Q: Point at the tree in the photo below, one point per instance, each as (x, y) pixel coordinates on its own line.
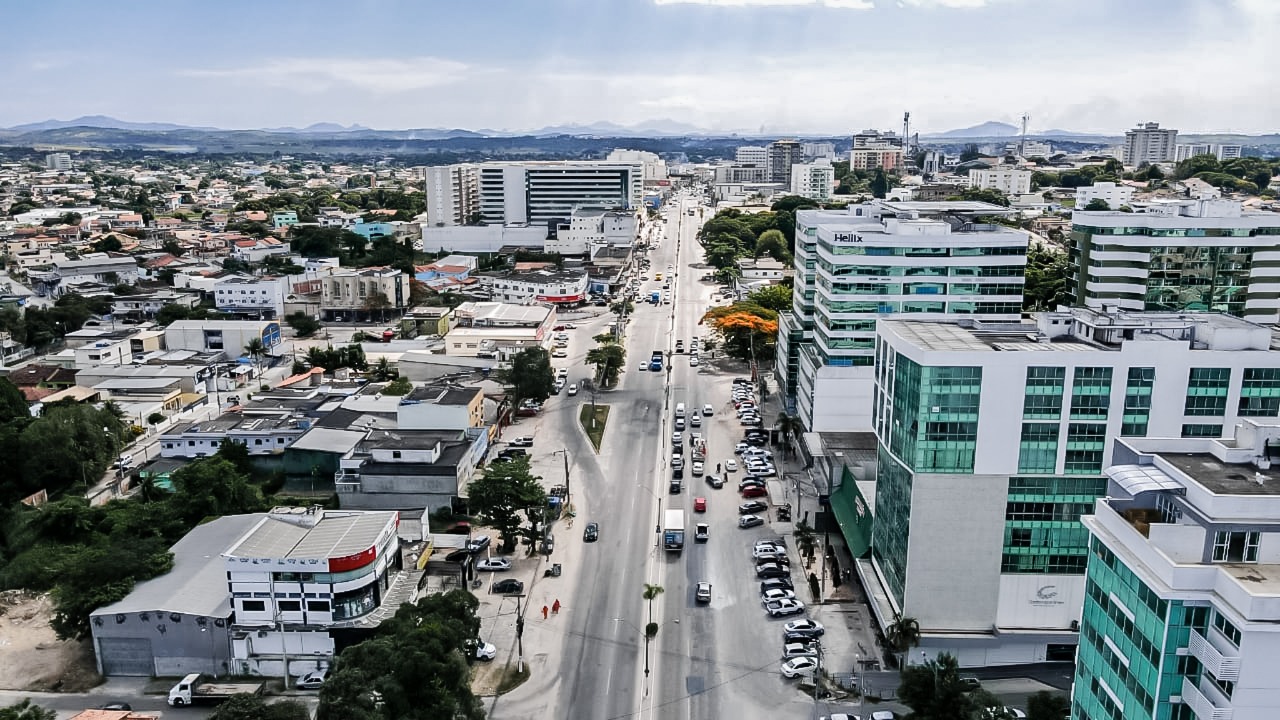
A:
(880, 184)
(236, 453)
(1193, 166)
(933, 690)
(302, 323)
(377, 304)
(382, 370)
(749, 331)
(255, 349)
(108, 243)
(609, 359)
(254, 707)
(100, 574)
(530, 376)
(774, 244)
(1047, 283)
(650, 593)
(13, 406)
(504, 491)
(791, 427)
(26, 710)
(212, 487)
(772, 297)
(398, 387)
(1097, 204)
(173, 248)
(902, 635)
(995, 197)
(970, 152)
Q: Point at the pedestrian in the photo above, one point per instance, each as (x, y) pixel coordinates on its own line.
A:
(544, 612)
(555, 607)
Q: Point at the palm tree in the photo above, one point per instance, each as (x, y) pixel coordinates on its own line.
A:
(791, 427)
(902, 635)
(651, 592)
(255, 349)
(804, 539)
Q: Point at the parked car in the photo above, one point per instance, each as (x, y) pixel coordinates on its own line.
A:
(731, 466)
(495, 564)
(707, 410)
(522, 441)
(799, 649)
(510, 586)
(478, 543)
(749, 508)
(797, 666)
(677, 438)
(703, 593)
(679, 424)
(778, 583)
(781, 608)
(750, 521)
(812, 628)
(311, 681)
(772, 570)
(591, 532)
(753, 491)
(776, 594)
(483, 650)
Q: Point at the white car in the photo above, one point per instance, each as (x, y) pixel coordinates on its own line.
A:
(562, 372)
(779, 608)
(799, 649)
(573, 389)
(312, 680)
(806, 626)
(751, 452)
(741, 448)
(523, 441)
(697, 469)
(496, 564)
(677, 438)
(562, 336)
(770, 595)
(767, 550)
(707, 410)
(693, 361)
(731, 466)
(797, 666)
(485, 651)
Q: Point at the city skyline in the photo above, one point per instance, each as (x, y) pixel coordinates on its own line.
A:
(717, 65)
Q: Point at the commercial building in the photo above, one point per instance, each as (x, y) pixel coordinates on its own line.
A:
(1201, 254)
(92, 269)
(409, 469)
(873, 149)
(1008, 180)
(815, 180)
(498, 330)
(752, 155)
(992, 439)
(557, 287)
(1115, 196)
(259, 297)
(783, 155)
(736, 174)
(1180, 614)
(228, 336)
(818, 151)
(371, 293)
(57, 161)
(654, 167)
(926, 259)
(1149, 144)
(452, 194)
(586, 230)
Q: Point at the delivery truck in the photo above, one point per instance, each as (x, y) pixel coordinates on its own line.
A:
(195, 688)
(673, 531)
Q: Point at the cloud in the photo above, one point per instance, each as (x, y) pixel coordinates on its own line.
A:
(838, 4)
(314, 75)
(957, 4)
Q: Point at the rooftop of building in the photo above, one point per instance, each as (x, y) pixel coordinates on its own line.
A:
(498, 313)
(219, 324)
(1083, 330)
(1225, 478)
(408, 439)
(311, 534)
(441, 395)
(545, 277)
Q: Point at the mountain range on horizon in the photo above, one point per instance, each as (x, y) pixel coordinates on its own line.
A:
(663, 127)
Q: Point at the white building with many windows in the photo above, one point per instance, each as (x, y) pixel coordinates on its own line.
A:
(1148, 143)
(260, 297)
(925, 259)
(1008, 180)
(815, 180)
(452, 194)
(1115, 196)
(532, 192)
(992, 442)
(1181, 617)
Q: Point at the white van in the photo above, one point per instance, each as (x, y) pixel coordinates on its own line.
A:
(679, 410)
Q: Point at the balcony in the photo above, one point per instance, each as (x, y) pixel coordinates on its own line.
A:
(1202, 705)
(1218, 657)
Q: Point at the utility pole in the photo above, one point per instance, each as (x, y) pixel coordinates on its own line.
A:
(565, 453)
(519, 636)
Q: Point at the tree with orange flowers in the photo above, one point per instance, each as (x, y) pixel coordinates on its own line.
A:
(748, 330)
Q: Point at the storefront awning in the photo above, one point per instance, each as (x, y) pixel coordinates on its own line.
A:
(853, 514)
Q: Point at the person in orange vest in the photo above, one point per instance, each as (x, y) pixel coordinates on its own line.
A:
(544, 612)
(555, 607)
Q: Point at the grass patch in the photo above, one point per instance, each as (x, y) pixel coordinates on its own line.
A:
(594, 430)
(512, 679)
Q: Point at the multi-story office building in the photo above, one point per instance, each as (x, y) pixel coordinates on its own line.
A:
(737, 173)
(452, 194)
(57, 161)
(1115, 196)
(879, 157)
(1008, 180)
(518, 193)
(818, 151)
(929, 260)
(1204, 254)
(1149, 144)
(1181, 618)
(992, 441)
(815, 180)
(752, 155)
(783, 154)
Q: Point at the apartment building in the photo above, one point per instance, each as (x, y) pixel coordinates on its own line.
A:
(258, 297)
(1115, 196)
(59, 162)
(558, 287)
(1221, 152)
(818, 151)
(815, 180)
(1148, 143)
(876, 150)
(926, 259)
(1008, 180)
(752, 155)
(736, 173)
(373, 292)
(782, 156)
(533, 192)
(1196, 255)
(586, 230)
(1180, 614)
(992, 440)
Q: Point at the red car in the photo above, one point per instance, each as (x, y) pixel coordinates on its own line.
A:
(754, 491)
(699, 504)
(557, 328)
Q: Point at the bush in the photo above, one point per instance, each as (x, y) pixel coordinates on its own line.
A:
(155, 418)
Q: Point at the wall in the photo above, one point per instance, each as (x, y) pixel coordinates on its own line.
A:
(481, 238)
(179, 643)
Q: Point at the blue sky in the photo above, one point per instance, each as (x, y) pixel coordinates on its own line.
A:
(811, 66)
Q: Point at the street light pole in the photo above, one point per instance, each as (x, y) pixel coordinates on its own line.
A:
(519, 635)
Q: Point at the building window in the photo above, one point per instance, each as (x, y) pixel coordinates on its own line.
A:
(1260, 393)
(1227, 628)
(1090, 393)
(1235, 547)
(289, 605)
(395, 454)
(318, 606)
(253, 605)
(1207, 391)
(1195, 430)
(1137, 401)
(1038, 452)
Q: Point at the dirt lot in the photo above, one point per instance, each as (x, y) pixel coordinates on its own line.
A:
(34, 658)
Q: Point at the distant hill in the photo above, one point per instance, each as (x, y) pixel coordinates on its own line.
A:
(320, 127)
(987, 129)
(102, 121)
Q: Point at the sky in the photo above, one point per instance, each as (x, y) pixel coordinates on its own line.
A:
(770, 66)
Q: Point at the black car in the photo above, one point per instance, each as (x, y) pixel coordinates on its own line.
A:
(675, 487)
(510, 586)
(781, 583)
(548, 545)
(116, 706)
(780, 558)
(756, 441)
(591, 532)
(752, 507)
(772, 570)
(677, 472)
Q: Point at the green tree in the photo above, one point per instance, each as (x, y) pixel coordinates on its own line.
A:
(255, 707)
(609, 359)
(212, 487)
(26, 710)
(1047, 705)
(995, 197)
(90, 434)
(530, 376)
(1195, 165)
(772, 297)
(398, 387)
(970, 152)
(13, 405)
(880, 184)
(933, 690)
(651, 592)
(236, 453)
(102, 574)
(1097, 204)
(107, 243)
(1047, 284)
(382, 370)
(772, 243)
(506, 490)
(790, 427)
(902, 635)
(173, 247)
(303, 324)
(255, 349)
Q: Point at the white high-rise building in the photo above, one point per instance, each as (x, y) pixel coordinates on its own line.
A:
(818, 151)
(1180, 614)
(655, 168)
(516, 193)
(752, 155)
(855, 266)
(57, 161)
(1112, 194)
(992, 441)
(1221, 152)
(1010, 181)
(815, 180)
(1149, 144)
